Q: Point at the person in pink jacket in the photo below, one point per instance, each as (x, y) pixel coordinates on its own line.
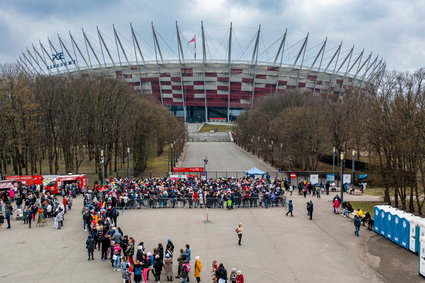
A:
(336, 206)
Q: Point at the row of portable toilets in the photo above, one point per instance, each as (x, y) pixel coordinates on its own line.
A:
(404, 229)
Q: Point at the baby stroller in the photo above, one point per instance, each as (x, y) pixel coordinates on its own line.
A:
(19, 214)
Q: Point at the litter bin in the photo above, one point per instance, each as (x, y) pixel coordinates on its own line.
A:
(422, 257)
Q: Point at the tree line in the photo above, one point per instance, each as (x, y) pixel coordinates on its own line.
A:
(70, 119)
(383, 125)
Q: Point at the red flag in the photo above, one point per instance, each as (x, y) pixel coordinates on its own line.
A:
(192, 40)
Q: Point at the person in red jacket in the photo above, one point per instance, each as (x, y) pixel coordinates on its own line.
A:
(239, 277)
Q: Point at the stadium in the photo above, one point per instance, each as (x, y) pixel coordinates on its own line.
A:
(197, 76)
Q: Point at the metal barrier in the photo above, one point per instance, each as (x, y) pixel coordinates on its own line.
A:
(139, 203)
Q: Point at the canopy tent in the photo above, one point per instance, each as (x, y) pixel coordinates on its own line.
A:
(254, 171)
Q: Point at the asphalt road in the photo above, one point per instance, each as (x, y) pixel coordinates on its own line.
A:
(222, 157)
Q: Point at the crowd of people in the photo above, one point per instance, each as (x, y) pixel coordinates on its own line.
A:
(32, 203)
(136, 263)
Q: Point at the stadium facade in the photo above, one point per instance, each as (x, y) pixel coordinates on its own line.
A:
(206, 88)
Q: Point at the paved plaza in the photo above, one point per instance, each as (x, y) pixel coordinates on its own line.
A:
(275, 248)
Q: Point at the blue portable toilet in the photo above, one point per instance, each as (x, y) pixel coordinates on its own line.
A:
(413, 227)
(389, 223)
(397, 234)
(420, 232)
(377, 222)
(386, 221)
(381, 218)
(403, 229)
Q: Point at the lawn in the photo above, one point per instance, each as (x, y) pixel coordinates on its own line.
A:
(217, 128)
(366, 206)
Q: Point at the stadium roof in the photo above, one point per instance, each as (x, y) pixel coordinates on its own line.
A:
(98, 49)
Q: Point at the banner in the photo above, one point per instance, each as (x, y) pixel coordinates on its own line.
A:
(314, 179)
(346, 179)
(330, 178)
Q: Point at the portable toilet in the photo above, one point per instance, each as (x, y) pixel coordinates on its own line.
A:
(420, 232)
(377, 222)
(403, 229)
(382, 218)
(387, 217)
(422, 256)
(397, 234)
(413, 232)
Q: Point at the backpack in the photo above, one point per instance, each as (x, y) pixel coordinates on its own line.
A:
(186, 267)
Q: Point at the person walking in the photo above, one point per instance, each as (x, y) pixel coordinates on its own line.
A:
(90, 243)
(239, 277)
(157, 265)
(239, 231)
(8, 214)
(105, 242)
(185, 269)
(310, 209)
(198, 269)
(290, 208)
(357, 224)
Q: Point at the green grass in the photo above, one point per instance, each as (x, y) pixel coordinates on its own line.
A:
(217, 128)
(159, 164)
(366, 206)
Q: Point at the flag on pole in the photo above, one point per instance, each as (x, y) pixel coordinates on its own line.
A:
(192, 40)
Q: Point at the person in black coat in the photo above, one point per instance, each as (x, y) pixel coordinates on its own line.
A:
(310, 209)
(106, 243)
(90, 244)
(221, 272)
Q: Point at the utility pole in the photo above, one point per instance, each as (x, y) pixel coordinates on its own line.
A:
(102, 167)
(128, 162)
(342, 174)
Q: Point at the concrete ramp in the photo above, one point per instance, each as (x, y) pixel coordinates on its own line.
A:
(209, 137)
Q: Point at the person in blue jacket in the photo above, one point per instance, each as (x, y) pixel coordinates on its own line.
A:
(290, 208)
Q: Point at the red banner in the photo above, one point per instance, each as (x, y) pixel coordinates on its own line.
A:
(188, 169)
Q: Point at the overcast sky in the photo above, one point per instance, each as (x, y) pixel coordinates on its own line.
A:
(394, 29)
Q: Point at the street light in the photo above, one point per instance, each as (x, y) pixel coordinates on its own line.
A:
(102, 167)
(272, 152)
(128, 162)
(205, 166)
(281, 156)
(342, 174)
(333, 160)
(353, 159)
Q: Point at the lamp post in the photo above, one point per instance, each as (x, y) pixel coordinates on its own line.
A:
(342, 174)
(272, 152)
(353, 160)
(102, 167)
(333, 160)
(128, 162)
(205, 166)
(281, 156)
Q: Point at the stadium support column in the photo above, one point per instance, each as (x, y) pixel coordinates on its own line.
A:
(322, 52)
(229, 61)
(181, 61)
(254, 64)
(204, 55)
(157, 49)
(342, 64)
(279, 53)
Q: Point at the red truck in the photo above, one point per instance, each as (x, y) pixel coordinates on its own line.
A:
(27, 179)
(55, 184)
